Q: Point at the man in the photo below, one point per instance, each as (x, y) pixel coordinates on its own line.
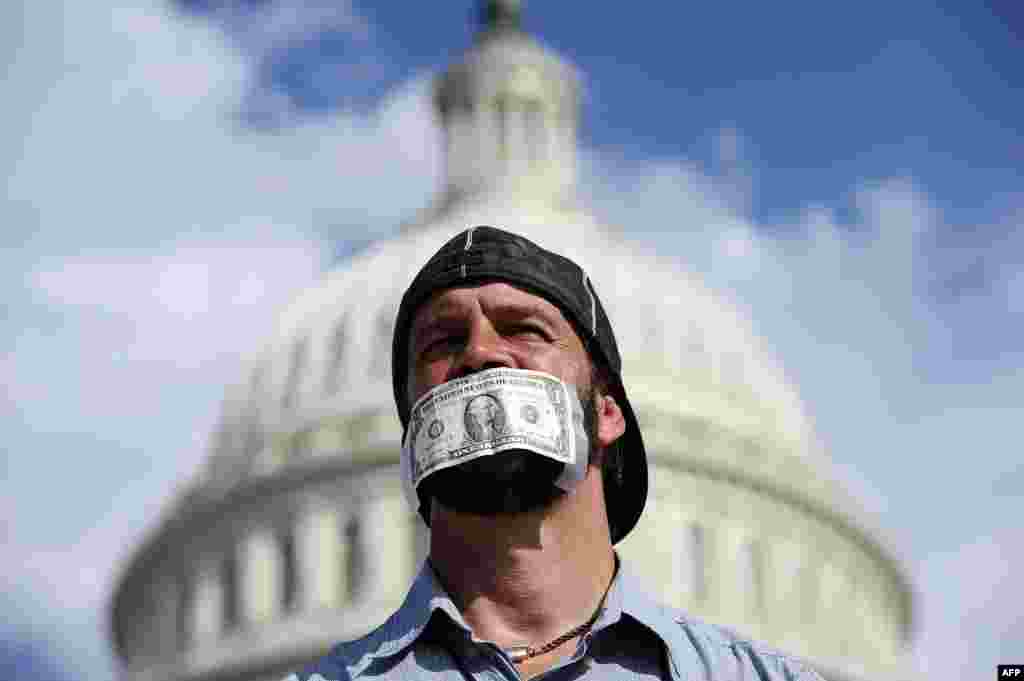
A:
(522, 579)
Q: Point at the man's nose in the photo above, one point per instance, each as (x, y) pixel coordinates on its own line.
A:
(484, 349)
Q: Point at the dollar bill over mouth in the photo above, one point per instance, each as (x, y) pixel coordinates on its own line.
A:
(490, 412)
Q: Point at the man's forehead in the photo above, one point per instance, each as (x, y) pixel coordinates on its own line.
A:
(492, 296)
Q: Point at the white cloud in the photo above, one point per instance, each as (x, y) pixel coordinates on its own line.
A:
(848, 307)
(150, 240)
(139, 141)
(269, 26)
(225, 288)
(138, 328)
(986, 629)
(278, 36)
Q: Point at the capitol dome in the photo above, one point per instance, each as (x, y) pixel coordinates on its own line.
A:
(688, 352)
(296, 534)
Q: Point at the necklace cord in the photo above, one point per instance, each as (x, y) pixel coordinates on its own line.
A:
(522, 653)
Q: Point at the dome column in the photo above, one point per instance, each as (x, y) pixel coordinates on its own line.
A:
(320, 555)
(263, 576)
(388, 520)
(658, 561)
(208, 604)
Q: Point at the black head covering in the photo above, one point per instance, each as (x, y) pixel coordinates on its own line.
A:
(481, 254)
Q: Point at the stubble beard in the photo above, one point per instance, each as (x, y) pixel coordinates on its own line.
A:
(512, 481)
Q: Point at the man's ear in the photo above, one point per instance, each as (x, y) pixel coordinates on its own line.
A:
(611, 423)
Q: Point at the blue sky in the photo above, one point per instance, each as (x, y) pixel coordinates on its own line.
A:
(848, 175)
(823, 91)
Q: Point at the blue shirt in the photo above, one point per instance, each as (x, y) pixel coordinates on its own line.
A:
(633, 638)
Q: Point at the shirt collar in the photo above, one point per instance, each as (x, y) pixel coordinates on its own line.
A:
(427, 596)
(627, 597)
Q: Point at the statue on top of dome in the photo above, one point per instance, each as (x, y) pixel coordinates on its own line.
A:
(501, 15)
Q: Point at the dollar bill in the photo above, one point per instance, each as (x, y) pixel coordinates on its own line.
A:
(487, 413)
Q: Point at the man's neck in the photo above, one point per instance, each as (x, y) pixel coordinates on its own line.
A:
(526, 578)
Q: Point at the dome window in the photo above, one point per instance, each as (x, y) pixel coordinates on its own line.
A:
(336, 358)
(296, 369)
(229, 586)
(536, 135)
(694, 563)
(186, 602)
(354, 557)
(750, 565)
(810, 592)
(380, 366)
(290, 581)
(501, 109)
(251, 430)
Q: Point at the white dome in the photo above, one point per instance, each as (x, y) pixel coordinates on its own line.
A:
(301, 496)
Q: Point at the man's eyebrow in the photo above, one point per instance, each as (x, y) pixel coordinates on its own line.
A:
(429, 324)
(425, 325)
(452, 313)
(527, 309)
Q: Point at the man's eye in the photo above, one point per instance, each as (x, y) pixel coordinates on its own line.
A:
(527, 331)
(441, 343)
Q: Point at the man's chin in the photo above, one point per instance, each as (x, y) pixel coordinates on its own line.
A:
(513, 481)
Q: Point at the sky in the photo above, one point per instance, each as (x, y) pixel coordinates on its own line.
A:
(847, 174)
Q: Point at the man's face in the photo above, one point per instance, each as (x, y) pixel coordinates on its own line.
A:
(461, 331)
